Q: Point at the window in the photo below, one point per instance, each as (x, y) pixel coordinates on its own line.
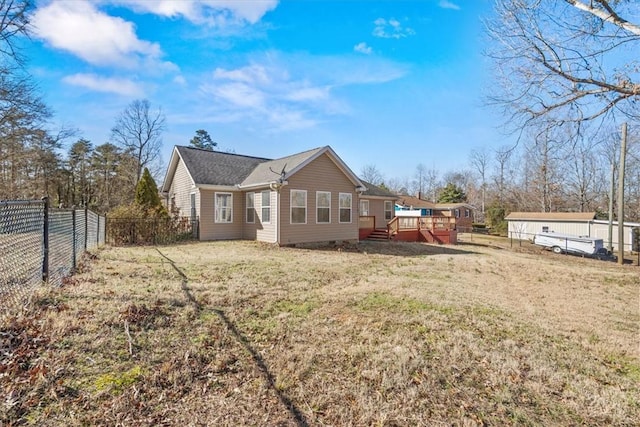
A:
(364, 208)
(457, 213)
(223, 207)
(298, 206)
(388, 210)
(251, 211)
(428, 212)
(545, 229)
(344, 203)
(192, 198)
(466, 213)
(323, 207)
(266, 207)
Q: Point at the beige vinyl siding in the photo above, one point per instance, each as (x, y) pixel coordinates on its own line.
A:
(209, 229)
(249, 229)
(376, 209)
(264, 232)
(319, 175)
(181, 189)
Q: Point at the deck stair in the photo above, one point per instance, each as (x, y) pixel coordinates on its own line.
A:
(379, 234)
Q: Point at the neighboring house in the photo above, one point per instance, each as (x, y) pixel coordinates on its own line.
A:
(377, 209)
(458, 215)
(524, 225)
(306, 197)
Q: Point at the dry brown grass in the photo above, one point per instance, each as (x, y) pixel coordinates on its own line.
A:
(241, 333)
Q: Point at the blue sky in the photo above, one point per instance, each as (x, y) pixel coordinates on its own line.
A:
(385, 83)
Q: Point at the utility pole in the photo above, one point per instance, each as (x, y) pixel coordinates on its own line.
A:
(612, 194)
(623, 154)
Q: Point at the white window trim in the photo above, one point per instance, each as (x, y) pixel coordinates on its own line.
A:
(350, 208)
(467, 213)
(323, 207)
(291, 207)
(215, 206)
(252, 207)
(368, 207)
(388, 210)
(265, 207)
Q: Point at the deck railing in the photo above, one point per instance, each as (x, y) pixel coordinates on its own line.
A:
(437, 223)
(367, 222)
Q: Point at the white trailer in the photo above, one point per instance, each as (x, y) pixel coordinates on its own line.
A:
(561, 243)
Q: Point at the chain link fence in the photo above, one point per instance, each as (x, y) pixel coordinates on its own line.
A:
(40, 245)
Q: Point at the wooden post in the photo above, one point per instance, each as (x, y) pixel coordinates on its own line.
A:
(612, 194)
(623, 155)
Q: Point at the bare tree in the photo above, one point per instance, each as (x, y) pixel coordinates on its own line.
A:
(138, 131)
(370, 173)
(14, 22)
(566, 62)
(583, 183)
(502, 156)
(480, 160)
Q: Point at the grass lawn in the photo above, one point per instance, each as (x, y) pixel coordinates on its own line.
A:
(382, 334)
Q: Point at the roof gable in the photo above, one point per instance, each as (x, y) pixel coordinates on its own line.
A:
(207, 167)
(211, 167)
(283, 168)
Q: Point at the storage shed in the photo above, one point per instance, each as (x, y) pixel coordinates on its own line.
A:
(524, 225)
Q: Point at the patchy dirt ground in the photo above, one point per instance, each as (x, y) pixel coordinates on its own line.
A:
(393, 334)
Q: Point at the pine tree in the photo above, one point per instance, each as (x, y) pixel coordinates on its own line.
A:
(451, 193)
(203, 140)
(147, 195)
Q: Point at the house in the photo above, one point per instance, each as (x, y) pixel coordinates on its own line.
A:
(524, 225)
(421, 220)
(306, 197)
(377, 209)
(461, 213)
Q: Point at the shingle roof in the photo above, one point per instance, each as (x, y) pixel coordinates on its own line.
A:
(269, 171)
(216, 168)
(374, 190)
(561, 216)
(453, 206)
(415, 202)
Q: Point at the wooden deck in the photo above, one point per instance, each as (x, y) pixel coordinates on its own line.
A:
(440, 229)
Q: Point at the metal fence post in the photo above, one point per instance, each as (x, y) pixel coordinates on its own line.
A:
(73, 234)
(86, 227)
(45, 241)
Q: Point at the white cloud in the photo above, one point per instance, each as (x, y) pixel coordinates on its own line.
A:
(180, 80)
(215, 12)
(391, 29)
(239, 94)
(264, 91)
(363, 48)
(97, 83)
(99, 39)
(251, 74)
(445, 4)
